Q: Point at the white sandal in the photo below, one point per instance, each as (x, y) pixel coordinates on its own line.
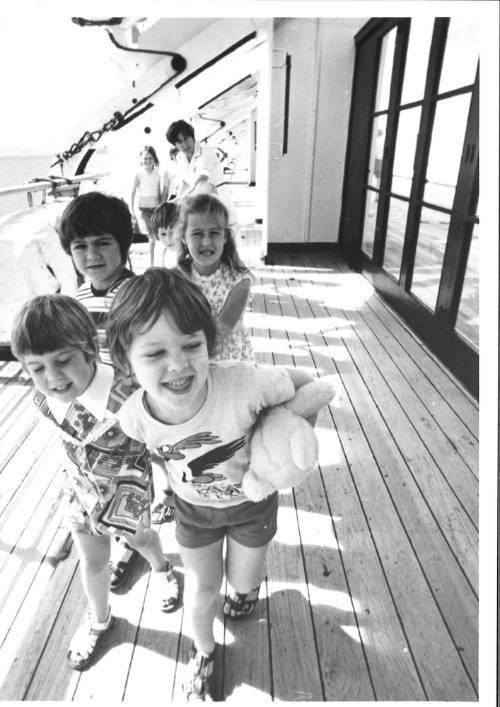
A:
(85, 640)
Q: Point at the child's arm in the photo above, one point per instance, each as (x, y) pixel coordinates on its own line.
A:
(234, 306)
(166, 188)
(135, 186)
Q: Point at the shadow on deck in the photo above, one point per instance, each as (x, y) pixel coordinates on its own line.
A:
(372, 582)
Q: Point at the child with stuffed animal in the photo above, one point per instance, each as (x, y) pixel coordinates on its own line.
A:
(107, 477)
(200, 418)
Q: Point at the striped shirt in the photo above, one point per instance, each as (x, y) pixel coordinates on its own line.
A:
(149, 189)
(98, 303)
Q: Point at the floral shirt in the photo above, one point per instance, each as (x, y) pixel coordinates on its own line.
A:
(237, 344)
(107, 479)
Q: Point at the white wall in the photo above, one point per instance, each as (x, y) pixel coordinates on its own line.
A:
(305, 185)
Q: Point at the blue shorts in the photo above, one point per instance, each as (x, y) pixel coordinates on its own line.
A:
(250, 524)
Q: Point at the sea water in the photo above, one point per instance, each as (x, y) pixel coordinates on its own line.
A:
(17, 169)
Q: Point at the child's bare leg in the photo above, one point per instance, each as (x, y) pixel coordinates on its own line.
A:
(147, 542)
(94, 552)
(166, 586)
(245, 570)
(203, 579)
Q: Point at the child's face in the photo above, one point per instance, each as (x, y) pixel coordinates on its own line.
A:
(63, 374)
(172, 367)
(205, 239)
(147, 162)
(98, 259)
(167, 237)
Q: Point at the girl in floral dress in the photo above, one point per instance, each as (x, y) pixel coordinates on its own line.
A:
(211, 260)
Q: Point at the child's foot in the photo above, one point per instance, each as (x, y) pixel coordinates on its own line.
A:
(162, 514)
(167, 588)
(198, 685)
(84, 642)
(239, 606)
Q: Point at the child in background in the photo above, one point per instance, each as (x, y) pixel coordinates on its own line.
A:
(107, 481)
(95, 229)
(199, 417)
(147, 184)
(163, 223)
(210, 258)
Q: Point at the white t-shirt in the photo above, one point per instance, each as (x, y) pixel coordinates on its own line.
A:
(207, 456)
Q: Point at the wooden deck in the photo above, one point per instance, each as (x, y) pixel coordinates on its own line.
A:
(372, 583)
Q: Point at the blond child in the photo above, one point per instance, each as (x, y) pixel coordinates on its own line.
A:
(210, 258)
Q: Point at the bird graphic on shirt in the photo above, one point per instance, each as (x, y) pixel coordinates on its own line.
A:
(213, 458)
(172, 451)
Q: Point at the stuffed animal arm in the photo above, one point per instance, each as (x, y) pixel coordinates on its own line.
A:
(283, 446)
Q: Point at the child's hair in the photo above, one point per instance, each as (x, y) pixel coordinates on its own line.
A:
(149, 150)
(96, 214)
(164, 216)
(209, 205)
(143, 299)
(47, 323)
(178, 128)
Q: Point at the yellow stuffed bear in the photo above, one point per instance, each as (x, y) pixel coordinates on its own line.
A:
(284, 447)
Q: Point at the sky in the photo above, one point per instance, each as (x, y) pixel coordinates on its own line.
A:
(58, 73)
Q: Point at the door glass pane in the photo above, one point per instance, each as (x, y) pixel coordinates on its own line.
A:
(461, 54)
(369, 222)
(385, 70)
(468, 312)
(396, 225)
(432, 235)
(446, 149)
(417, 57)
(377, 150)
(404, 156)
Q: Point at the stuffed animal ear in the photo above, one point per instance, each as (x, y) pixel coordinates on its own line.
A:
(304, 449)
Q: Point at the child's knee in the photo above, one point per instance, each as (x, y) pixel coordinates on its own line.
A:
(142, 539)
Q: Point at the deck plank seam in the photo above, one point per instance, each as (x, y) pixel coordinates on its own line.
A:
(424, 374)
(373, 540)
(418, 341)
(426, 579)
(410, 421)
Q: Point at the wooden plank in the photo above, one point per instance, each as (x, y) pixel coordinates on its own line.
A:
(392, 672)
(154, 661)
(409, 587)
(20, 670)
(295, 665)
(459, 400)
(439, 410)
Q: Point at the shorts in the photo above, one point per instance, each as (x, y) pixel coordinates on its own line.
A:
(146, 214)
(250, 524)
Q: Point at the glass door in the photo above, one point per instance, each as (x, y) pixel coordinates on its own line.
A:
(412, 167)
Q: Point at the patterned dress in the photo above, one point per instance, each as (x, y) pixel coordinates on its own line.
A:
(107, 480)
(237, 344)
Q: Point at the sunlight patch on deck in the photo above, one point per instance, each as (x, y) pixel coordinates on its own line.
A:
(349, 296)
(315, 528)
(307, 325)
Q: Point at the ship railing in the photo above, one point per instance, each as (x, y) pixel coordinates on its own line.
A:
(51, 186)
